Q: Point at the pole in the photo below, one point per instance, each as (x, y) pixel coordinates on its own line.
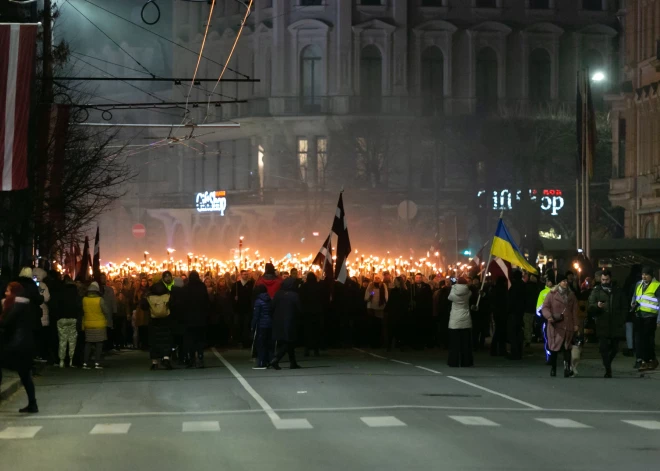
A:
(456, 235)
(587, 159)
(483, 273)
(582, 160)
(578, 235)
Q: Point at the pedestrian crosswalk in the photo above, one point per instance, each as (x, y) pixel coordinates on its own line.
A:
(15, 432)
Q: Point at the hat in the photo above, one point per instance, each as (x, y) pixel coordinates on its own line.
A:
(462, 281)
(93, 287)
(561, 278)
(647, 270)
(26, 272)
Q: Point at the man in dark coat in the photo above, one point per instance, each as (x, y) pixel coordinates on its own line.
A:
(516, 308)
(198, 307)
(422, 312)
(241, 293)
(160, 329)
(315, 299)
(287, 312)
(609, 305)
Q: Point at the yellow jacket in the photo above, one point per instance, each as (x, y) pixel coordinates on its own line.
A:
(94, 310)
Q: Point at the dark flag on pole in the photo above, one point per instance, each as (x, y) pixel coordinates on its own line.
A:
(340, 227)
(324, 259)
(83, 273)
(96, 265)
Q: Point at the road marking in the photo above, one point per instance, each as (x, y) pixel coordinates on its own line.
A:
(647, 424)
(110, 429)
(527, 404)
(11, 433)
(369, 353)
(200, 427)
(470, 420)
(302, 392)
(292, 424)
(377, 356)
(400, 362)
(563, 423)
(428, 369)
(386, 421)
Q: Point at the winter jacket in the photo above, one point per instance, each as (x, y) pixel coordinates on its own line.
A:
(287, 311)
(262, 315)
(531, 296)
(611, 319)
(95, 312)
(272, 284)
(16, 325)
(517, 300)
(244, 294)
(422, 300)
(314, 298)
(70, 304)
(459, 317)
(157, 290)
(110, 303)
(197, 303)
(373, 300)
(40, 275)
(560, 332)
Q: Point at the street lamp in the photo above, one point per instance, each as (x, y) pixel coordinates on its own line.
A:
(598, 76)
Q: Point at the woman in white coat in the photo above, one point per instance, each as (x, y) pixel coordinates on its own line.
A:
(460, 326)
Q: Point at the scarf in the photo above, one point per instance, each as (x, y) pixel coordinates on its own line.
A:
(563, 293)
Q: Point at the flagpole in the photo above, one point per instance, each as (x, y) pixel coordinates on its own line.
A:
(583, 89)
(483, 273)
(587, 160)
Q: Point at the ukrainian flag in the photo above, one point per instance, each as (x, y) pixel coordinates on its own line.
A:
(505, 248)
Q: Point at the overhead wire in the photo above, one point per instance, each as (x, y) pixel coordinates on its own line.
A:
(201, 52)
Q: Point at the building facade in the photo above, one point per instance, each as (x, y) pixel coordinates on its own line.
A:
(635, 118)
(328, 67)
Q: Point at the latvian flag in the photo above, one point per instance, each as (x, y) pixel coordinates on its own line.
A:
(17, 51)
(499, 268)
(340, 227)
(324, 259)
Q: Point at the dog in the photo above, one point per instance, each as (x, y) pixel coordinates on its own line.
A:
(576, 353)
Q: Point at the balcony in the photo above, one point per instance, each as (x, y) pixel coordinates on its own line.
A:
(621, 190)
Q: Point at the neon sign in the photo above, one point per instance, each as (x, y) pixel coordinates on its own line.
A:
(550, 200)
(211, 201)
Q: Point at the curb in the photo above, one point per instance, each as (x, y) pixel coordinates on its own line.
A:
(14, 384)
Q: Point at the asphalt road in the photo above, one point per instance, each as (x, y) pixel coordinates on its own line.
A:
(347, 410)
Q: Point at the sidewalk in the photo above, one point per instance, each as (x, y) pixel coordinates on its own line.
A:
(10, 384)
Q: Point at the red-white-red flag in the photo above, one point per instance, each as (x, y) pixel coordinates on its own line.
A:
(17, 55)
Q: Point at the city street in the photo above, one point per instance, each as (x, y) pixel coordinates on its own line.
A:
(349, 409)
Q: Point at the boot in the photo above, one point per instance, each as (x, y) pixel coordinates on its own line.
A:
(295, 366)
(567, 370)
(275, 365)
(608, 373)
(30, 409)
(553, 371)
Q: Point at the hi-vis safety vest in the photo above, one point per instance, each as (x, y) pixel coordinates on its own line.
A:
(647, 301)
(539, 303)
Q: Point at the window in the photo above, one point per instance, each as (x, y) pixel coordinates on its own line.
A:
(371, 79)
(302, 158)
(321, 159)
(485, 3)
(593, 5)
(432, 81)
(310, 78)
(309, 3)
(487, 80)
(621, 166)
(540, 75)
(539, 4)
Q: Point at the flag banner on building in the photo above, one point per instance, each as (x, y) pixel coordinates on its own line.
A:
(83, 273)
(586, 123)
(17, 56)
(340, 228)
(505, 248)
(96, 264)
(324, 259)
(500, 268)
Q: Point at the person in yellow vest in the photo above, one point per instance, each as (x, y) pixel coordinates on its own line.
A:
(95, 313)
(646, 306)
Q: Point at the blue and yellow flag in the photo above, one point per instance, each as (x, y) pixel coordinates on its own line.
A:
(505, 248)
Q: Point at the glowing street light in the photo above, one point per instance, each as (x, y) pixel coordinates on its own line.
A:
(598, 76)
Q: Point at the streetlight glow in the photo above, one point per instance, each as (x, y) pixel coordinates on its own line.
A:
(598, 76)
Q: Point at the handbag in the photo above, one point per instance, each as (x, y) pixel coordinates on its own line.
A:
(559, 318)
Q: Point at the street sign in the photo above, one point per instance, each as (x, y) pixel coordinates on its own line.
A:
(139, 231)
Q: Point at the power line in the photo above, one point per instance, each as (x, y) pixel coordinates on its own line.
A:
(175, 80)
(164, 38)
(107, 36)
(111, 63)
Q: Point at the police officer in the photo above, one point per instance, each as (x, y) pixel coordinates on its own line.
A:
(646, 306)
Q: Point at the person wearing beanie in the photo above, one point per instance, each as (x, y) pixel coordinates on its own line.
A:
(95, 314)
(646, 306)
(560, 310)
(460, 326)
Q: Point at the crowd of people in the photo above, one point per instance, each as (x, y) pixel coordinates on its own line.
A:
(47, 318)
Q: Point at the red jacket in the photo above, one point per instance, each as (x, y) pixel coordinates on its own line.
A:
(272, 284)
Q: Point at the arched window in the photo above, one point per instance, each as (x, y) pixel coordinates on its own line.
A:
(487, 80)
(371, 78)
(433, 67)
(310, 78)
(540, 76)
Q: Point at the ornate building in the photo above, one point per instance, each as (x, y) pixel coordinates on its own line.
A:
(635, 118)
(325, 65)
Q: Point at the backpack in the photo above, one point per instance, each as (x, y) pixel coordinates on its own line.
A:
(158, 306)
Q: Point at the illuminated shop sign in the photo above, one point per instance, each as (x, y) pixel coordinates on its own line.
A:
(211, 201)
(551, 200)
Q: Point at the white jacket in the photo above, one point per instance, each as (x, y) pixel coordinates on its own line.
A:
(460, 318)
(40, 274)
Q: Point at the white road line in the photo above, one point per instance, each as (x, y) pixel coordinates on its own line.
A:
(386, 421)
(563, 423)
(377, 356)
(279, 423)
(399, 361)
(200, 426)
(476, 421)
(11, 433)
(110, 429)
(428, 369)
(647, 424)
(527, 404)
